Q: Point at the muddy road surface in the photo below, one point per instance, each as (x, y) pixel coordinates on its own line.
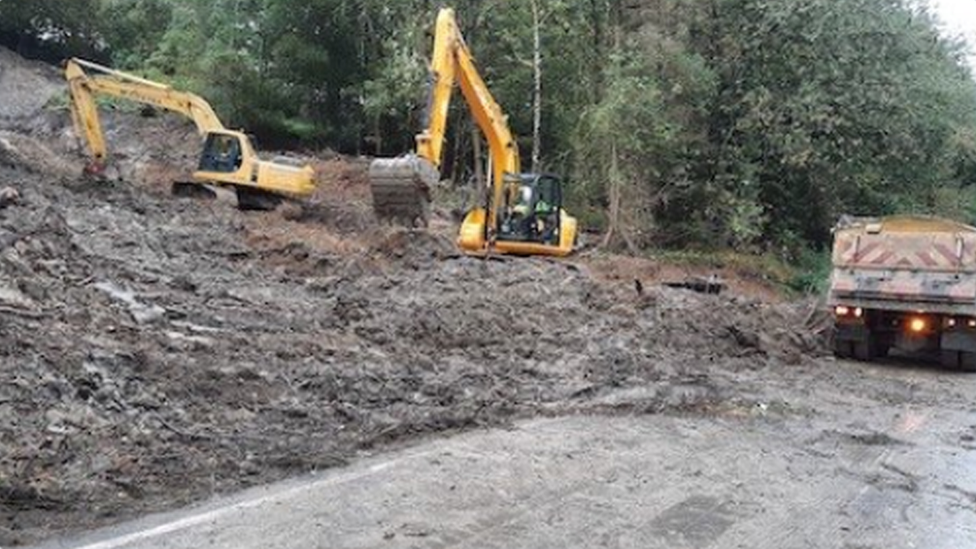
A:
(817, 463)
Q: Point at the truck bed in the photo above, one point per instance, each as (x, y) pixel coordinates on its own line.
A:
(905, 263)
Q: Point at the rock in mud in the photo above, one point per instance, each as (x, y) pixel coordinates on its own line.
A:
(8, 196)
(141, 312)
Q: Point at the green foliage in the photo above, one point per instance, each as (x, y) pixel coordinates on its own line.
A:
(50, 29)
(623, 144)
(835, 107)
(766, 269)
(811, 273)
(393, 94)
(138, 26)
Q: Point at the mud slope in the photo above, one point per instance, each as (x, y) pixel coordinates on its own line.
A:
(149, 356)
(25, 86)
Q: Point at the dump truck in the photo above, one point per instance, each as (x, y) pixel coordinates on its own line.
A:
(906, 282)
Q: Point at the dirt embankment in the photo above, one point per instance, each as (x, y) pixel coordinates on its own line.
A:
(25, 86)
(156, 350)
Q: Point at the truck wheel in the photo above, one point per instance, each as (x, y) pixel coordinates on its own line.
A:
(967, 361)
(843, 349)
(959, 360)
(864, 351)
(881, 350)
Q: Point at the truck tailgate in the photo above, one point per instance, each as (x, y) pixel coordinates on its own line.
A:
(921, 267)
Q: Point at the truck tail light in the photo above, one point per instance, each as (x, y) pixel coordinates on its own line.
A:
(952, 322)
(844, 310)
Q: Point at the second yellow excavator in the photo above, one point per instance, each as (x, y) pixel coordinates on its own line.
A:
(523, 213)
(228, 157)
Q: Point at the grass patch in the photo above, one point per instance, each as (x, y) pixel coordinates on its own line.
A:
(808, 275)
(811, 274)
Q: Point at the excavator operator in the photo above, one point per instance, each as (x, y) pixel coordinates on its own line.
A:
(531, 216)
(522, 215)
(545, 223)
(523, 204)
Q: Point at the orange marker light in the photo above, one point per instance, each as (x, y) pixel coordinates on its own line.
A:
(917, 325)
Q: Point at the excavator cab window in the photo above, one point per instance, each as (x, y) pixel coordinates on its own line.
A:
(531, 212)
(549, 201)
(221, 153)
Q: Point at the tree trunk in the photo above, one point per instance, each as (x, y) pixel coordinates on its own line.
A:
(479, 172)
(474, 194)
(457, 155)
(613, 195)
(617, 227)
(537, 87)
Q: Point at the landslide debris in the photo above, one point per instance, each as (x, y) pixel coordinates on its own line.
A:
(25, 86)
(157, 350)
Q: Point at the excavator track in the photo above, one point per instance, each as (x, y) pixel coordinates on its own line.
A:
(401, 189)
(256, 199)
(248, 198)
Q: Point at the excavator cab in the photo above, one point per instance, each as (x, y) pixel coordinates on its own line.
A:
(222, 153)
(531, 209)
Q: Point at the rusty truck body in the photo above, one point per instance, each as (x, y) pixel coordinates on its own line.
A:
(905, 282)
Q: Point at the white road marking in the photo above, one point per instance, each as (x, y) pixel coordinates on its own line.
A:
(209, 516)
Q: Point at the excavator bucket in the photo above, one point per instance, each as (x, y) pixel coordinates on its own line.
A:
(401, 189)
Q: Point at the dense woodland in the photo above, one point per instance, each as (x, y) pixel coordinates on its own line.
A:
(743, 124)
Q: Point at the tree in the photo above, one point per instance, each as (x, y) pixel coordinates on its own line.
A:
(832, 106)
(623, 139)
(50, 29)
(134, 28)
(732, 123)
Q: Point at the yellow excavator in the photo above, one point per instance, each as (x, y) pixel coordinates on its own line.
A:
(523, 213)
(228, 158)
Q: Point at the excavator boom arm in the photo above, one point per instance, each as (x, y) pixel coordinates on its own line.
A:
(114, 83)
(452, 61)
(401, 186)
